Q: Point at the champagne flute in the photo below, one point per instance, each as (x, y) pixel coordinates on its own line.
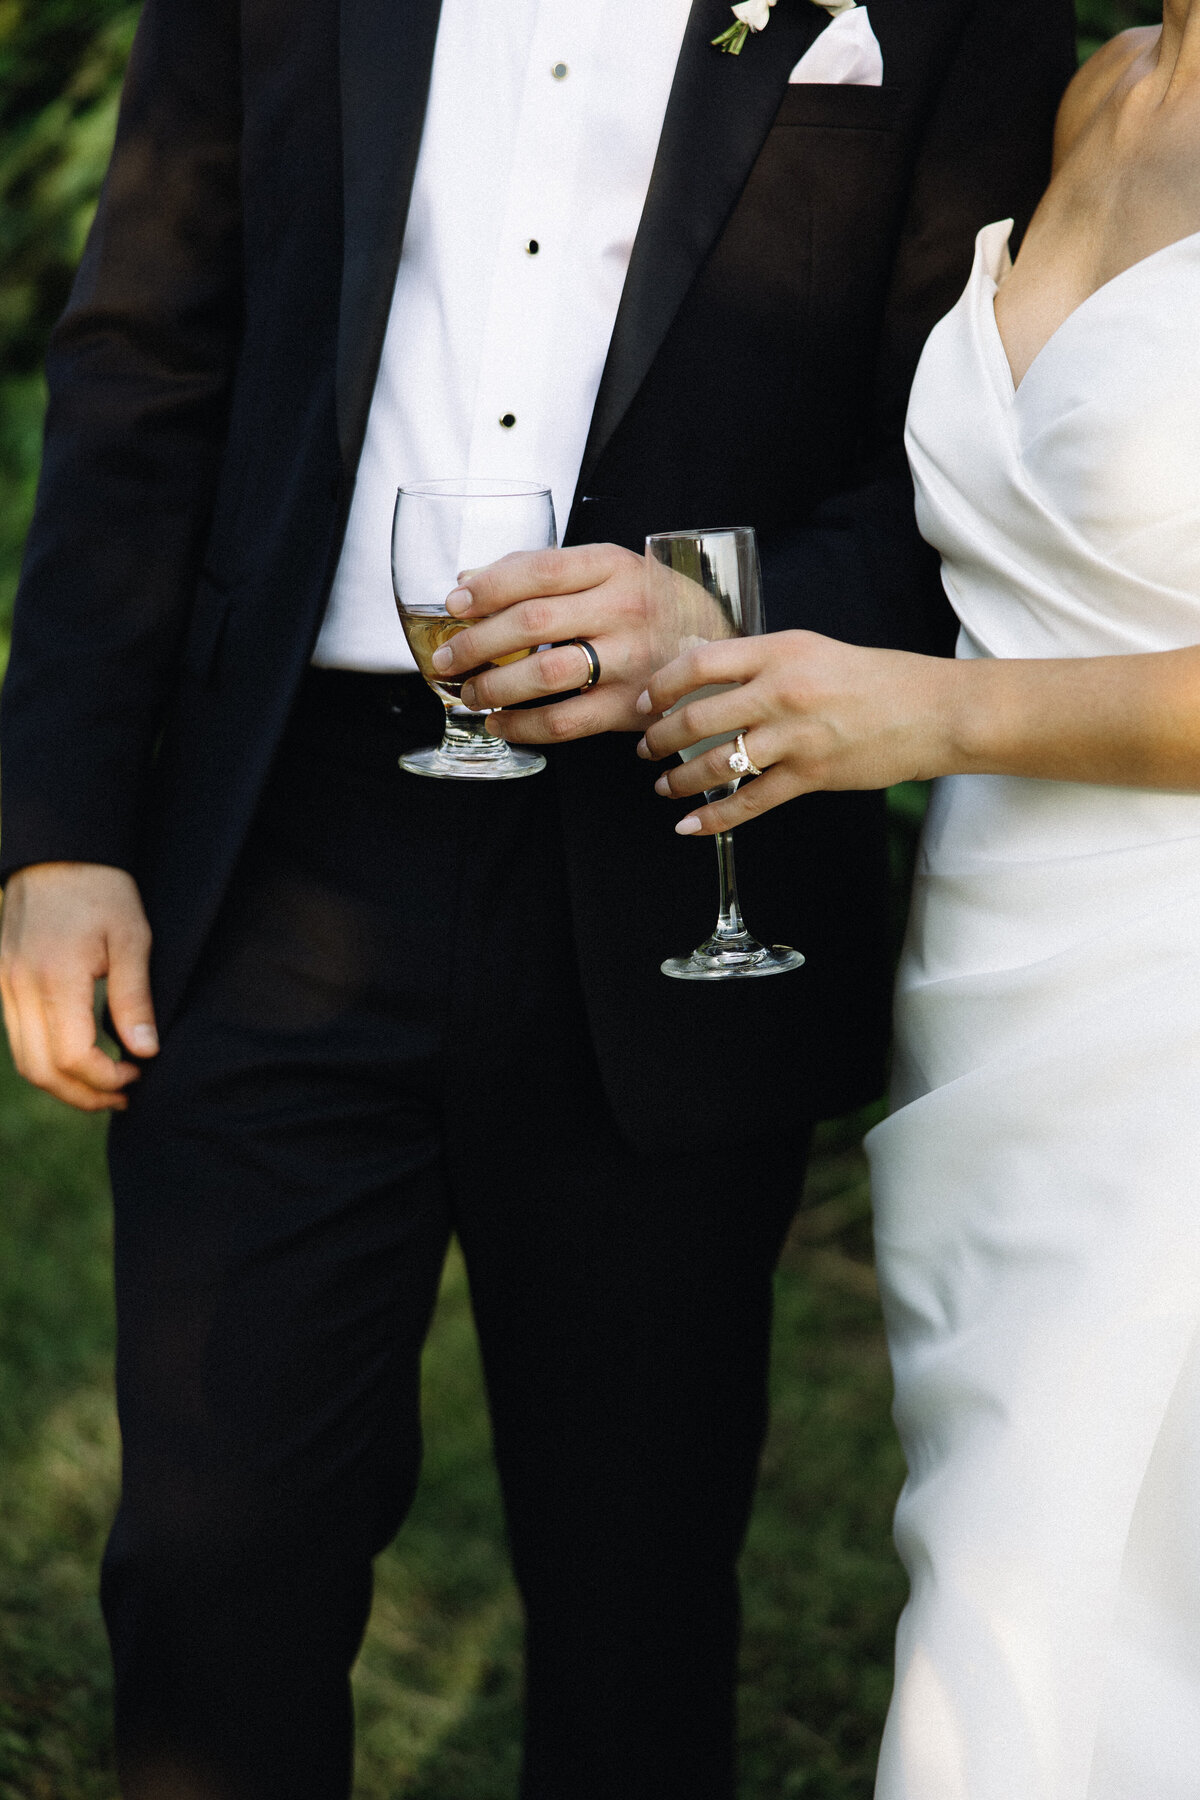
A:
(438, 529)
(714, 591)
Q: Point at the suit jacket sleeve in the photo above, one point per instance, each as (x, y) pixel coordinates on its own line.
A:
(139, 370)
(857, 569)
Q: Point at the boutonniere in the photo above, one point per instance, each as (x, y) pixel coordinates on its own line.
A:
(755, 15)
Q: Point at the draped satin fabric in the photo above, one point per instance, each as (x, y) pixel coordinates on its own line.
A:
(1037, 1187)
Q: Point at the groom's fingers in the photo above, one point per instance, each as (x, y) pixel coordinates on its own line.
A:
(522, 626)
(565, 720)
(57, 935)
(77, 1062)
(55, 1049)
(610, 612)
(560, 669)
(593, 592)
(535, 574)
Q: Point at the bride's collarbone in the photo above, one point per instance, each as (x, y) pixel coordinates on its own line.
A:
(1126, 186)
(1082, 238)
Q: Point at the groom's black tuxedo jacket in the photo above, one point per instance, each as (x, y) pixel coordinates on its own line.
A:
(210, 384)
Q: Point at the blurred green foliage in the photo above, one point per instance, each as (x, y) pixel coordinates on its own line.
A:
(60, 70)
(60, 63)
(1101, 19)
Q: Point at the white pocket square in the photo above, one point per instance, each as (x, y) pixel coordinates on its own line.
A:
(847, 54)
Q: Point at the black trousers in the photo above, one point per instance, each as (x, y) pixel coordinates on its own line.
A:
(386, 1044)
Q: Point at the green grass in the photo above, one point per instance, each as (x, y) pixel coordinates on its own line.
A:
(438, 1683)
(57, 1449)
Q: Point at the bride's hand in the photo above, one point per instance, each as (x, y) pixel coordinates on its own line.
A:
(815, 713)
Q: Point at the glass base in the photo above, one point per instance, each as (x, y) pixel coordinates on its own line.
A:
(720, 960)
(502, 764)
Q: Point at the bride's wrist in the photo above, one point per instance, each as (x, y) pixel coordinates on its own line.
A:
(973, 714)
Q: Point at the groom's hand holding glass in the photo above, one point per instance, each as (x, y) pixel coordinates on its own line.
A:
(552, 599)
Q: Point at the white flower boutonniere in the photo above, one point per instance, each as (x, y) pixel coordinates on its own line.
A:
(755, 15)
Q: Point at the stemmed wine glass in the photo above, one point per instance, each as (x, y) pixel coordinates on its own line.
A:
(714, 591)
(440, 528)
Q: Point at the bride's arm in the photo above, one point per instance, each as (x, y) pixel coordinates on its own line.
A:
(818, 714)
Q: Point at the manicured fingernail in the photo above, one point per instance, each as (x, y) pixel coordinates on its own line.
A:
(663, 786)
(441, 659)
(468, 695)
(687, 827)
(643, 750)
(144, 1040)
(643, 701)
(459, 601)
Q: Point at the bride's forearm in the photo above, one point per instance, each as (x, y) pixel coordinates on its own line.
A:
(817, 714)
(1131, 721)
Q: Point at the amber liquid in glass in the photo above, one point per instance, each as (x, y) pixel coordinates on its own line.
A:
(427, 632)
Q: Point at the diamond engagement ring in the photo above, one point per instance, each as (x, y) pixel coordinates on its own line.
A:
(740, 760)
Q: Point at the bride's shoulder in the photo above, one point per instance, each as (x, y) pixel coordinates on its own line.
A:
(1094, 83)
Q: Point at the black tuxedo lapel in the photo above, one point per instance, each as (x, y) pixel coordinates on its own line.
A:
(719, 113)
(386, 58)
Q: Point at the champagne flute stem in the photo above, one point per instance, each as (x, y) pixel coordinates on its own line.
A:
(730, 924)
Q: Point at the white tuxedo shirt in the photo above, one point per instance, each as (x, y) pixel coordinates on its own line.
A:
(544, 118)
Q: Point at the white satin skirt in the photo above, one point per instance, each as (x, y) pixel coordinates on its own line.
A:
(1037, 1196)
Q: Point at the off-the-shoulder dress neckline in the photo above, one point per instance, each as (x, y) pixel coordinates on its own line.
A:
(1084, 306)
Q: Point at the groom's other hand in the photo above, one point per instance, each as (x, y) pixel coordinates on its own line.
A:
(64, 927)
(548, 597)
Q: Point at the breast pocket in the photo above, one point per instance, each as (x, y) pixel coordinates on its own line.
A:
(840, 156)
(837, 108)
(825, 206)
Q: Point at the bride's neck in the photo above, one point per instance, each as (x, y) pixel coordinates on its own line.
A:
(1180, 47)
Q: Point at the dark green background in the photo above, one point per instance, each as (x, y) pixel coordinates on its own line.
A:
(438, 1684)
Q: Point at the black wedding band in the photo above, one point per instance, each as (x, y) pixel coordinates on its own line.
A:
(589, 650)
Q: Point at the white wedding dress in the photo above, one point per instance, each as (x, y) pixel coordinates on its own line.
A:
(1037, 1188)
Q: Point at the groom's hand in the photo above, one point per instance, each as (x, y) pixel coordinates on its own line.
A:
(547, 597)
(66, 926)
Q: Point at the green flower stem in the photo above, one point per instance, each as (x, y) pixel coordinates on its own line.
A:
(731, 41)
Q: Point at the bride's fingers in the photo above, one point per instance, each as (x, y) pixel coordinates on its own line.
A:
(710, 716)
(751, 799)
(711, 768)
(730, 659)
